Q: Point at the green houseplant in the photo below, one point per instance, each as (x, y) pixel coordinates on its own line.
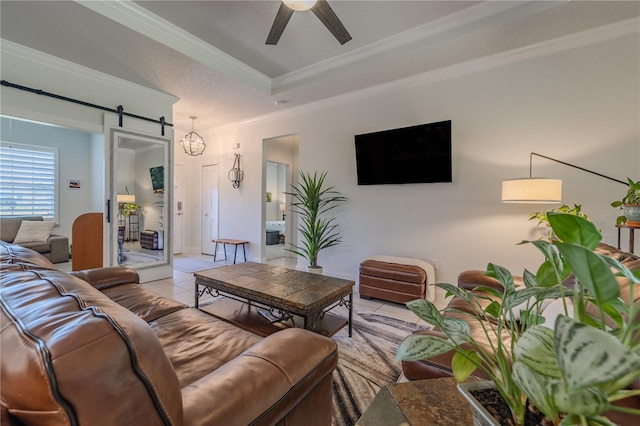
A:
(312, 200)
(571, 370)
(127, 209)
(630, 204)
(544, 220)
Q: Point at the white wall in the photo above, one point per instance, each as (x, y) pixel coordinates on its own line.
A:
(579, 106)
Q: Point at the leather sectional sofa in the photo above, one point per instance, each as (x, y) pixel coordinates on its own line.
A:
(440, 366)
(96, 348)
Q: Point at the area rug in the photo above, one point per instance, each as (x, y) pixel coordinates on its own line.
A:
(366, 363)
(132, 258)
(191, 264)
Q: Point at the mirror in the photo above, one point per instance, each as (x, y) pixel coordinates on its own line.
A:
(276, 210)
(140, 177)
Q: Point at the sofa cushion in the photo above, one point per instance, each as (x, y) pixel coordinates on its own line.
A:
(144, 303)
(198, 343)
(33, 231)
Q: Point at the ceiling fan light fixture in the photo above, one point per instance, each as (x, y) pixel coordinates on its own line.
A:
(300, 5)
(192, 143)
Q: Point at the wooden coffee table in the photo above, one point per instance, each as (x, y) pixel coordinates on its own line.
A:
(265, 298)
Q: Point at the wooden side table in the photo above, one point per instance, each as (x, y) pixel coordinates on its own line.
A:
(236, 243)
(631, 228)
(435, 402)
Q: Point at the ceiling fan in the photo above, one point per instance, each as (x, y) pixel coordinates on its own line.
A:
(319, 7)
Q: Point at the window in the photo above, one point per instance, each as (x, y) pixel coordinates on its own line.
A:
(28, 180)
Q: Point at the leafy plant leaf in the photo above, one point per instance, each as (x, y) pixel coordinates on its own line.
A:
(574, 230)
(457, 330)
(588, 356)
(416, 347)
(535, 349)
(502, 275)
(584, 402)
(455, 291)
(464, 363)
(591, 270)
(427, 311)
(537, 387)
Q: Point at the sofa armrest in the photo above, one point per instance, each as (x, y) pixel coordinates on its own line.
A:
(267, 382)
(474, 277)
(59, 248)
(111, 276)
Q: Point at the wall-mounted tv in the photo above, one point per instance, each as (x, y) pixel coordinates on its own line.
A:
(416, 154)
(157, 178)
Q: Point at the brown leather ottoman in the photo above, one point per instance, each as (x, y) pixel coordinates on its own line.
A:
(393, 282)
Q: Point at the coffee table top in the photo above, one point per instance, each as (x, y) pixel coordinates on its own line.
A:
(297, 291)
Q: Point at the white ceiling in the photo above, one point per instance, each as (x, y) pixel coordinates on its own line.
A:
(212, 54)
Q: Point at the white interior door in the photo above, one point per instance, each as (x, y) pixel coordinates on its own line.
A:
(209, 208)
(178, 208)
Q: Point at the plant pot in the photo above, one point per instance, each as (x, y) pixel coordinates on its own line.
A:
(632, 213)
(481, 417)
(495, 402)
(316, 270)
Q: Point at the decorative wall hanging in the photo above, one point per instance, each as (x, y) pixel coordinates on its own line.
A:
(236, 174)
(192, 142)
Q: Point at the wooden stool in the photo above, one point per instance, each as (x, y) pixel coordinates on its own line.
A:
(226, 241)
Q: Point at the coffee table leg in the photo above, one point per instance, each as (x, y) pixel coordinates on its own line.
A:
(215, 251)
(195, 304)
(235, 253)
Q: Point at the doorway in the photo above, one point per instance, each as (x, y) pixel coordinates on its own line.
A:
(178, 208)
(275, 207)
(209, 208)
(279, 223)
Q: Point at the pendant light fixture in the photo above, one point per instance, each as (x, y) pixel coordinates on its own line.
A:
(192, 142)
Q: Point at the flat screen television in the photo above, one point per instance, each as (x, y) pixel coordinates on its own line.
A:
(416, 154)
(157, 178)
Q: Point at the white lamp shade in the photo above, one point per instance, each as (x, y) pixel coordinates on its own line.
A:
(126, 198)
(300, 5)
(283, 207)
(532, 190)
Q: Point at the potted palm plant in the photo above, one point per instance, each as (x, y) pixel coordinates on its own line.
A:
(630, 204)
(572, 369)
(311, 201)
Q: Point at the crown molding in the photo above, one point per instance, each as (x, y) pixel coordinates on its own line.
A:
(572, 41)
(451, 24)
(17, 50)
(139, 19)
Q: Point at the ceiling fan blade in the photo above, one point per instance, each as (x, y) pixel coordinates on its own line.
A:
(282, 18)
(330, 20)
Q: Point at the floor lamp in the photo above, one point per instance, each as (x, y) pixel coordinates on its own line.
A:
(540, 190)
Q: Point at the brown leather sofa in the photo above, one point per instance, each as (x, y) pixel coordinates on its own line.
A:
(55, 248)
(96, 348)
(440, 366)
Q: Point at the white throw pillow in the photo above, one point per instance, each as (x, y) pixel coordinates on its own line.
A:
(31, 230)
